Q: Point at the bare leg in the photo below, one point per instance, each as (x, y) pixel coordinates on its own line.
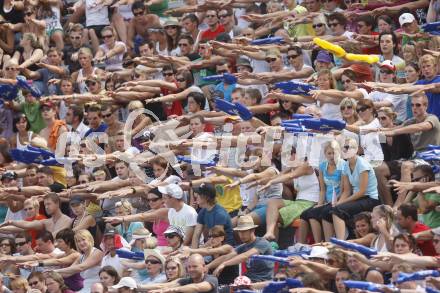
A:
(382, 175)
(272, 215)
(316, 230)
(340, 228)
(256, 218)
(57, 37)
(303, 231)
(119, 24)
(406, 170)
(75, 17)
(94, 40)
(329, 230)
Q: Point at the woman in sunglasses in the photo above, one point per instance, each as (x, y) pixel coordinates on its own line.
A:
(111, 52)
(155, 267)
(173, 30)
(358, 173)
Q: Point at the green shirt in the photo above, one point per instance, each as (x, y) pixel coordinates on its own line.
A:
(33, 115)
(159, 9)
(431, 218)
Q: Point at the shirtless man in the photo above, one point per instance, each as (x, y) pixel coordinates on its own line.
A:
(57, 221)
(140, 23)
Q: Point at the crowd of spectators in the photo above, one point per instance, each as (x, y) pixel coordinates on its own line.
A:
(152, 146)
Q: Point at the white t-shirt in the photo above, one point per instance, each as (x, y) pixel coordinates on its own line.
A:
(115, 262)
(370, 143)
(398, 102)
(307, 187)
(186, 217)
(96, 14)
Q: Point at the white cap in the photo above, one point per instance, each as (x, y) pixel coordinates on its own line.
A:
(172, 190)
(317, 252)
(406, 18)
(126, 282)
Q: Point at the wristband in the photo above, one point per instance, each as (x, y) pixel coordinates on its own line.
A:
(133, 190)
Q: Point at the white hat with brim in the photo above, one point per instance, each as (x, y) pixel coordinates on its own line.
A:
(245, 223)
(126, 282)
(172, 190)
(317, 252)
(155, 253)
(140, 233)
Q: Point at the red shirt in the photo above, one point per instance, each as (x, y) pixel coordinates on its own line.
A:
(32, 232)
(171, 108)
(372, 50)
(427, 247)
(210, 35)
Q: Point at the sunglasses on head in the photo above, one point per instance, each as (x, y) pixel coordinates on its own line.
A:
(317, 25)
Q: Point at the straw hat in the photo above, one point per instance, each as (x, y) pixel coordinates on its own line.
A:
(245, 223)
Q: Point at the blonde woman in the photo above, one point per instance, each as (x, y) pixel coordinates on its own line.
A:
(174, 269)
(330, 177)
(85, 58)
(126, 229)
(19, 285)
(30, 54)
(89, 262)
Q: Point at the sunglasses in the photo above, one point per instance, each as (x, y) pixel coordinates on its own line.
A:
(417, 105)
(362, 109)
(270, 60)
(11, 69)
(33, 283)
(5, 244)
(138, 13)
(46, 109)
(106, 116)
(183, 45)
(346, 147)
(169, 236)
(334, 24)
(167, 74)
(107, 36)
(90, 82)
(317, 25)
(75, 38)
(20, 243)
(174, 27)
(223, 15)
(28, 13)
(292, 56)
(210, 15)
(152, 261)
(386, 72)
(345, 81)
(383, 118)
(346, 107)
(282, 279)
(28, 209)
(181, 79)
(152, 199)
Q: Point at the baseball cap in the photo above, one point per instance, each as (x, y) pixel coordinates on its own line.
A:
(388, 64)
(48, 104)
(324, 56)
(172, 190)
(11, 175)
(206, 189)
(273, 53)
(126, 282)
(110, 232)
(175, 230)
(76, 200)
(406, 18)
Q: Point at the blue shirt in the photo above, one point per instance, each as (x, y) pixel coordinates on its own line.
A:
(217, 216)
(362, 165)
(101, 128)
(332, 181)
(257, 270)
(227, 92)
(127, 234)
(433, 98)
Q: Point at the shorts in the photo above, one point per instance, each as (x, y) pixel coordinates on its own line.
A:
(293, 209)
(97, 29)
(347, 211)
(261, 210)
(317, 213)
(52, 31)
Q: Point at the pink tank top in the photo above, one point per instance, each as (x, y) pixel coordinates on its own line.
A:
(158, 229)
